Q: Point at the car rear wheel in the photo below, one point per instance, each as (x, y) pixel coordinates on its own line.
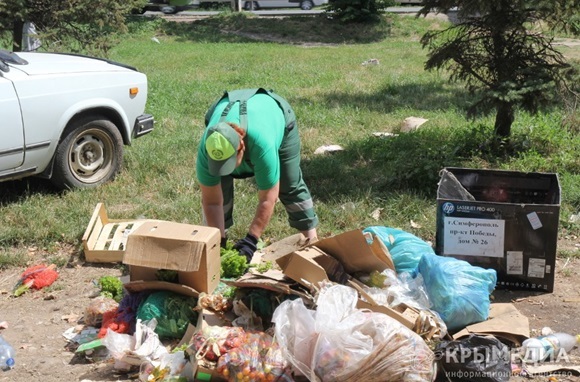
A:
(306, 5)
(89, 154)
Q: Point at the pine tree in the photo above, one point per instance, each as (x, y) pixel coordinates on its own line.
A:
(501, 50)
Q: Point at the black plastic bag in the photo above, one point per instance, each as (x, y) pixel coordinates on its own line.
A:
(475, 358)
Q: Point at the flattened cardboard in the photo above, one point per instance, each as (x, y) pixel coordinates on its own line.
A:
(284, 247)
(504, 321)
(309, 267)
(352, 251)
(191, 250)
(273, 280)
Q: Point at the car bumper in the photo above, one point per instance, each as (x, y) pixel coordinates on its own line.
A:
(143, 125)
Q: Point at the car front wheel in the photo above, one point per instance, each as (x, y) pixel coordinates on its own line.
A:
(89, 154)
(306, 5)
(251, 6)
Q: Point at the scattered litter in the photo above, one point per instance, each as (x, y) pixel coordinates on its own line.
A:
(348, 207)
(371, 61)
(338, 342)
(70, 318)
(415, 225)
(96, 308)
(81, 335)
(385, 134)
(574, 218)
(496, 368)
(129, 350)
(412, 123)
(35, 277)
(328, 149)
(3, 325)
(155, 39)
(376, 214)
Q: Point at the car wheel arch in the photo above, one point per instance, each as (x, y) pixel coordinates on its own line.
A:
(100, 113)
(94, 135)
(96, 114)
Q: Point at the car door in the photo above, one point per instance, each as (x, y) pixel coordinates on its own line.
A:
(11, 129)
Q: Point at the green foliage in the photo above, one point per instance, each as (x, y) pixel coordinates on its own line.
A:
(357, 10)
(70, 25)
(233, 265)
(111, 287)
(264, 266)
(502, 55)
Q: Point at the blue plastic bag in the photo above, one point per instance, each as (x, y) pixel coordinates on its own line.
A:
(405, 248)
(458, 291)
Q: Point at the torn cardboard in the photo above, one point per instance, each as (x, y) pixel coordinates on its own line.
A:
(324, 260)
(273, 280)
(193, 251)
(504, 321)
(140, 286)
(352, 250)
(408, 316)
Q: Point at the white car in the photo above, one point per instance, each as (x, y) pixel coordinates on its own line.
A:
(67, 117)
(305, 5)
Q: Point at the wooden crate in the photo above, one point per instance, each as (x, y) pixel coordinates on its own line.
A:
(105, 240)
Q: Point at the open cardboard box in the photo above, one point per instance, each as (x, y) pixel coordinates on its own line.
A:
(193, 251)
(337, 257)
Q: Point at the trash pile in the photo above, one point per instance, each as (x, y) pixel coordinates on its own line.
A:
(373, 304)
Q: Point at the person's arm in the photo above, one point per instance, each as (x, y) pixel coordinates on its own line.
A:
(266, 202)
(212, 204)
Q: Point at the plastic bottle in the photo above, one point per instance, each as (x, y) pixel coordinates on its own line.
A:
(540, 348)
(6, 355)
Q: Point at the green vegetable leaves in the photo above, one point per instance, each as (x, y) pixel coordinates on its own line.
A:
(233, 265)
(111, 287)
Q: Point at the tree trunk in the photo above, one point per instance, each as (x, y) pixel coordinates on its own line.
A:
(17, 36)
(504, 119)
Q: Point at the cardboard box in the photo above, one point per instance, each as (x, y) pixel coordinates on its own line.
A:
(193, 251)
(105, 240)
(504, 220)
(337, 257)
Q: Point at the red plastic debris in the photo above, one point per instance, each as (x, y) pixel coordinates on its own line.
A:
(39, 276)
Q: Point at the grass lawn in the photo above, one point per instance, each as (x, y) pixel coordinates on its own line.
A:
(321, 68)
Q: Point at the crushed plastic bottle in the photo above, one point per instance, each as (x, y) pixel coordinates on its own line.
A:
(6, 355)
(541, 348)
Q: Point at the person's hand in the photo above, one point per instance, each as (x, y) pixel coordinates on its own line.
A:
(247, 246)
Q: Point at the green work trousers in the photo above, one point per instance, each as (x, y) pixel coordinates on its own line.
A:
(294, 193)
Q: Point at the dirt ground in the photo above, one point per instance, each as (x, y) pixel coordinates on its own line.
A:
(37, 320)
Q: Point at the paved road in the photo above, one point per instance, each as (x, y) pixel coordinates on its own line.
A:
(278, 12)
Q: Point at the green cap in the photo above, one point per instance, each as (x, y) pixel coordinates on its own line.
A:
(221, 143)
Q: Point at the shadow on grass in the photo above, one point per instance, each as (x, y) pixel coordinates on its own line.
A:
(410, 162)
(428, 96)
(240, 28)
(13, 191)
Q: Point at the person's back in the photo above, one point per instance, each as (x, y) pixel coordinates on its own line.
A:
(253, 132)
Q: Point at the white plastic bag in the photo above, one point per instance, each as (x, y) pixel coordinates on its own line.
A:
(338, 342)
